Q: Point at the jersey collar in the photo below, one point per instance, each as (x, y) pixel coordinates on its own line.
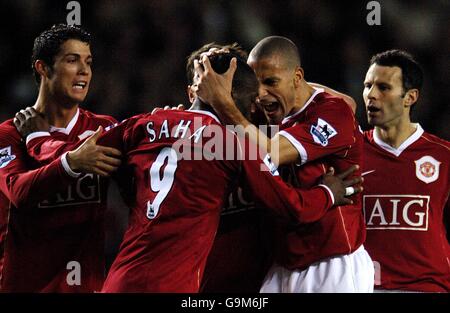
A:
(207, 113)
(289, 117)
(397, 151)
(69, 127)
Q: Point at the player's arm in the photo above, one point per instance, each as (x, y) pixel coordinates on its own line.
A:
(215, 90)
(298, 205)
(328, 131)
(349, 100)
(23, 187)
(82, 156)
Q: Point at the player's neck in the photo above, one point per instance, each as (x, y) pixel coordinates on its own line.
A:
(56, 114)
(304, 93)
(199, 105)
(395, 135)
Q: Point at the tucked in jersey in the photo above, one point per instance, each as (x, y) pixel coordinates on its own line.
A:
(50, 222)
(405, 203)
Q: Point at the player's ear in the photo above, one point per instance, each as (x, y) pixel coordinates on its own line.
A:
(299, 75)
(411, 97)
(42, 68)
(191, 93)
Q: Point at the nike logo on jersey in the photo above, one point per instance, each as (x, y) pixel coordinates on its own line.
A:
(368, 172)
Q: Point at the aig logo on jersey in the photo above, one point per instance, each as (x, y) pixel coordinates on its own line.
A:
(427, 169)
(6, 156)
(85, 190)
(322, 132)
(404, 212)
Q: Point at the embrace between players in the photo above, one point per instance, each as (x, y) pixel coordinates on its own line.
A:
(54, 187)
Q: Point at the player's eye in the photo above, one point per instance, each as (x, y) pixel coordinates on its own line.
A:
(270, 82)
(383, 87)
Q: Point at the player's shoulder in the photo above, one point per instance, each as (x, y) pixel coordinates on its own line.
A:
(326, 99)
(8, 130)
(7, 125)
(326, 104)
(102, 118)
(208, 116)
(436, 142)
(198, 116)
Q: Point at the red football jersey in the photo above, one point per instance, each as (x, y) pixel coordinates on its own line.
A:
(406, 191)
(48, 218)
(178, 200)
(240, 255)
(325, 133)
(184, 164)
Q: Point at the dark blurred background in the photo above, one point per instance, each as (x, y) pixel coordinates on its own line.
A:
(140, 47)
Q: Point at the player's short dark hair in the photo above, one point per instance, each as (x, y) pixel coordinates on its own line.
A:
(245, 84)
(412, 74)
(48, 44)
(233, 48)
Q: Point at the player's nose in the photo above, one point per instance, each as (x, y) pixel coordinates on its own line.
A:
(262, 92)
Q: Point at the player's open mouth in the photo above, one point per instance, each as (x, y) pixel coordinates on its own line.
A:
(270, 107)
(80, 85)
(372, 109)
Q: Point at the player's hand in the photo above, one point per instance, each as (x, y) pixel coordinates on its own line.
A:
(168, 107)
(214, 51)
(95, 159)
(29, 121)
(212, 88)
(341, 187)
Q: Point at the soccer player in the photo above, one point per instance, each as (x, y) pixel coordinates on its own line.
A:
(182, 174)
(51, 219)
(406, 182)
(318, 131)
(239, 257)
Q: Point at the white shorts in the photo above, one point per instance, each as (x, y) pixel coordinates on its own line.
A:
(345, 273)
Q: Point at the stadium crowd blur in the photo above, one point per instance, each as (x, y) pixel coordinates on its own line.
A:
(140, 47)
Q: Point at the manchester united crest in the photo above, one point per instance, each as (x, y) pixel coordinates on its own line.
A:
(427, 169)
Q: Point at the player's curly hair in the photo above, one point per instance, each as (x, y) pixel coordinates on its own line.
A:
(234, 48)
(48, 44)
